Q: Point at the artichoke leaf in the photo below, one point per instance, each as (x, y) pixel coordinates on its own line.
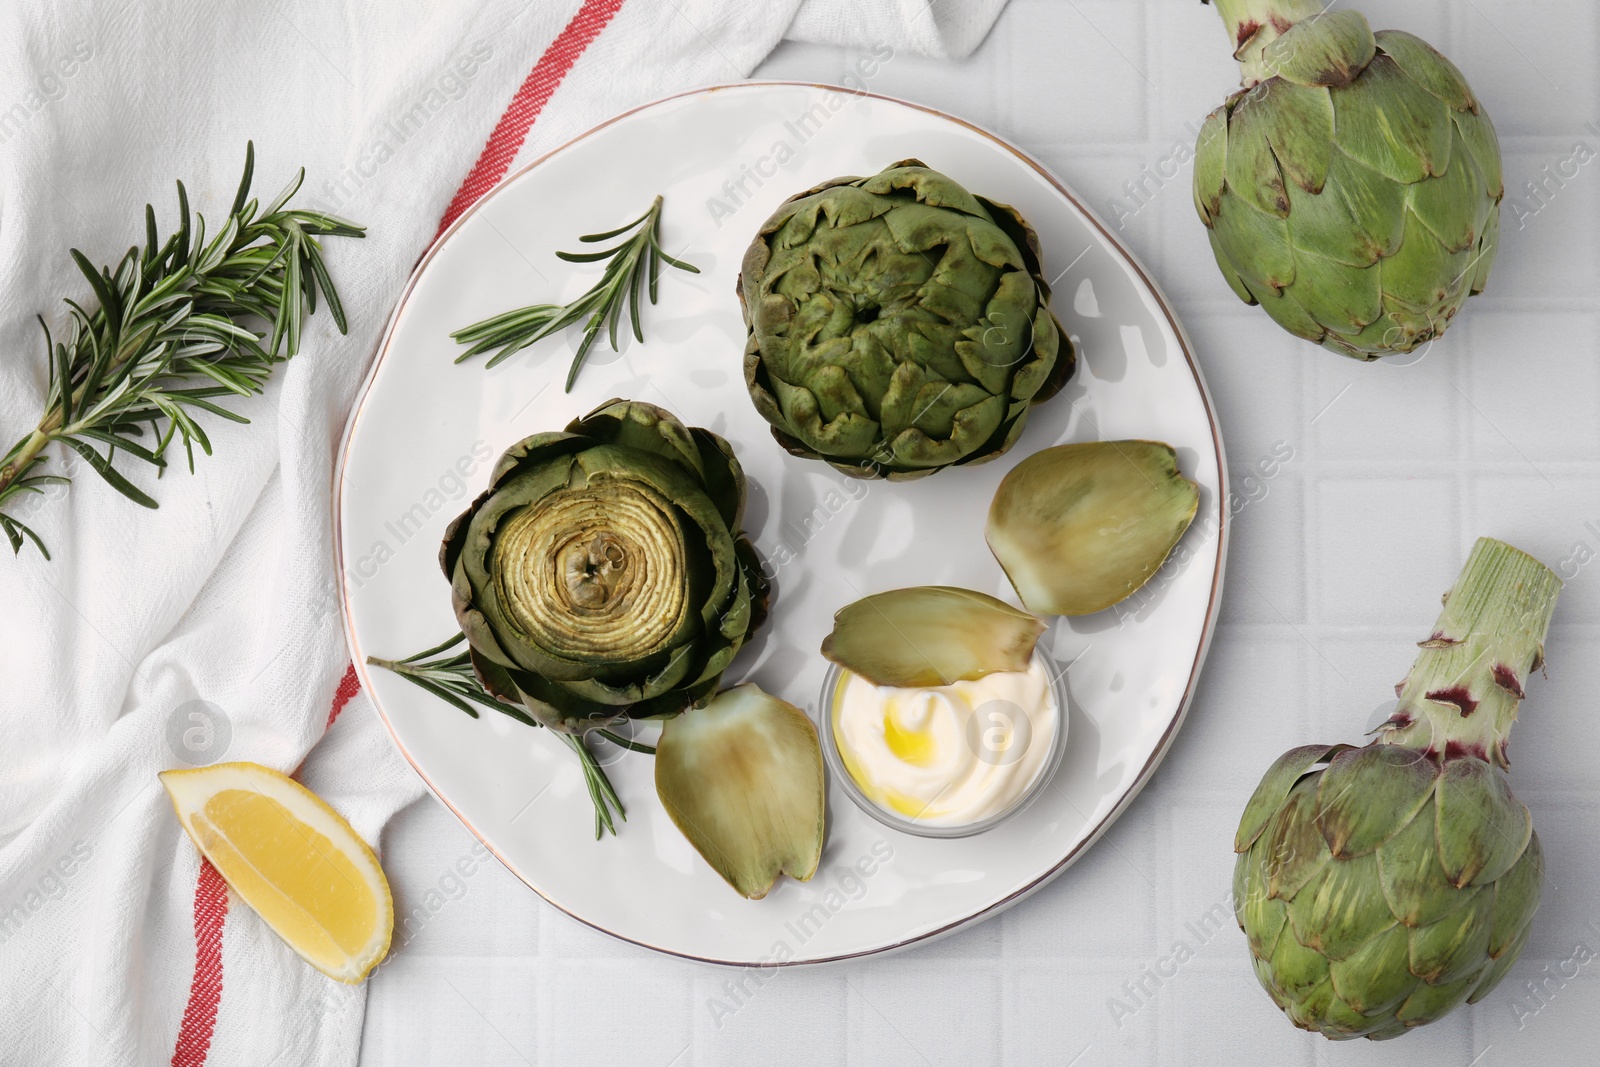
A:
(1482, 828)
(1330, 49)
(1458, 944)
(1357, 219)
(931, 636)
(742, 779)
(1211, 164)
(1516, 898)
(1261, 917)
(1367, 796)
(1430, 1002)
(1428, 68)
(1488, 244)
(1423, 273)
(1501, 967)
(1258, 245)
(1274, 789)
(1293, 849)
(1338, 298)
(1342, 909)
(1253, 171)
(1296, 970)
(1478, 133)
(1413, 879)
(1392, 124)
(1300, 129)
(1236, 283)
(1451, 206)
(1377, 978)
(1080, 527)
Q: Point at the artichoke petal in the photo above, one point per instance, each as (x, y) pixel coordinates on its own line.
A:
(1458, 944)
(1342, 909)
(1342, 300)
(1377, 977)
(1286, 311)
(1392, 124)
(1258, 244)
(930, 636)
(1426, 275)
(1296, 970)
(1211, 164)
(742, 779)
(1429, 1002)
(1478, 133)
(1367, 796)
(1488, 244)
(1501, 967)
(1357, 219)
(1429, 69)
(1274, 789)
(1299, 126)
(1294, 852)
(1413, 879)
(1453, 206)
(1261, 917)
(1482, 828)
(1330, 49)
(1253, 171)
(1516, 898)
(1236, 283)
(1080, 527)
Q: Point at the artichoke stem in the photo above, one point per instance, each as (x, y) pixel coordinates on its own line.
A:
(1255, 24)
(1461, 695)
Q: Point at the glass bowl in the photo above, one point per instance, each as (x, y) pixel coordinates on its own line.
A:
(896, 821)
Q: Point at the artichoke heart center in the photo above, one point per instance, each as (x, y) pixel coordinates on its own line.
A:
(595, 572)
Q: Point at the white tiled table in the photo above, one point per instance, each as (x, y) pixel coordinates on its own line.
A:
(1334, 574)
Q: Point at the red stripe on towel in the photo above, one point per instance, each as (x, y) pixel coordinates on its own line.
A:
(536, 90)
(205, 992)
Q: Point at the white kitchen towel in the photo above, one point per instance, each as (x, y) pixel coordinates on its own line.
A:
(209, 629)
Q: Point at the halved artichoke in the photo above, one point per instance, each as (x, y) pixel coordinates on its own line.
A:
(931, 635)
(1080, 527)
(603, 575)
(898, 324)
(742, 779)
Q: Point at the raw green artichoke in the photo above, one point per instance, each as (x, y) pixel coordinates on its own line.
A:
(603, 575)
(1380, 887)
(1353, 187)
(898, 324)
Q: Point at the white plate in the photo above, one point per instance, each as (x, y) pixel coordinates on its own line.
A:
(421, 440)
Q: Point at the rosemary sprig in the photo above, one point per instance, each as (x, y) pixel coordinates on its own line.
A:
(452, 679)
(170, 334)
(638, 256)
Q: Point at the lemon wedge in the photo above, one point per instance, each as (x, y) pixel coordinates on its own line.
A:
(293, 859)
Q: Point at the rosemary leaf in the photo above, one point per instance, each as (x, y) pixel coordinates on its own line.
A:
(449, 676)
(173, 328)
(633, 265)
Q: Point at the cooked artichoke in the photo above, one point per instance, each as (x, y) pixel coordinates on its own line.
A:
(742, 779)
(1078, 528)
(898, 324)
(603, 575)
(930, 635)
